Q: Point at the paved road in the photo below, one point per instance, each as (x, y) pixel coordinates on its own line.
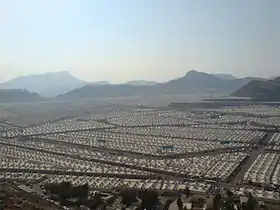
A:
(253, 155)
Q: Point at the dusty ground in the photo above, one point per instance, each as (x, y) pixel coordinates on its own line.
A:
(34, 113)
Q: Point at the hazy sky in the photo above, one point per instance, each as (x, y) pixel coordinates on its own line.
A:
(119, 40)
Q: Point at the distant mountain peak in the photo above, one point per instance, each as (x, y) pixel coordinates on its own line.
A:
(192, 72)
(60, 73)
(64, 72)
(198, 73)
(47, 84)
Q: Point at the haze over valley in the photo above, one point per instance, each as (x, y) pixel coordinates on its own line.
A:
(65, 86)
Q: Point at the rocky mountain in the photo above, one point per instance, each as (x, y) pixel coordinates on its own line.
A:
(199, 82)
(263, 90)
(16, 96)
(49, 84)
(192, 82)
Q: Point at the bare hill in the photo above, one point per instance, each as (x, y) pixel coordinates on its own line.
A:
(16, 96)
(261, 90)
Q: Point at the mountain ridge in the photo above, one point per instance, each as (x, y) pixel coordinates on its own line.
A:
(192, 82)
(64, 85)
(261, 90)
